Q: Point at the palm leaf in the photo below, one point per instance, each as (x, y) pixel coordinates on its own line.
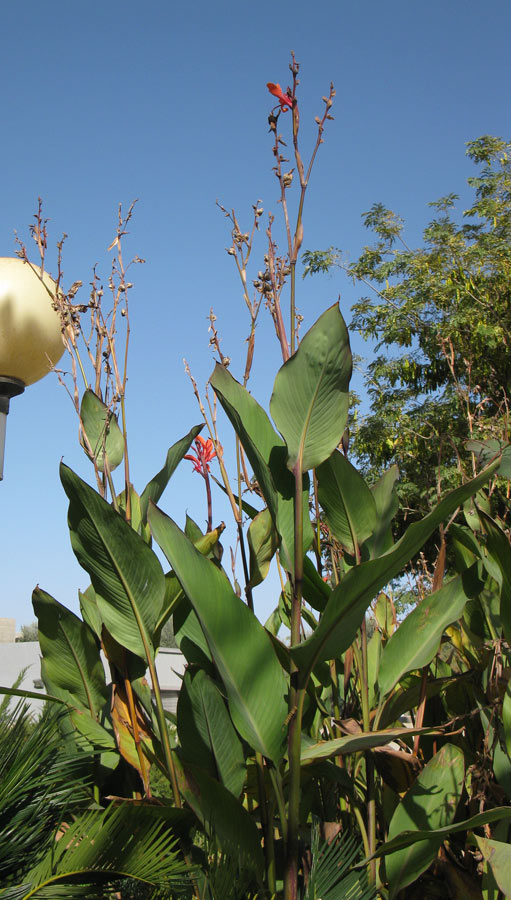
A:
(102, 846)
(332, 876)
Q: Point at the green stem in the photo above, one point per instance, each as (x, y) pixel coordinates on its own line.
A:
(164, 734)
(366, 719)
(126, 458)
(268, 846)
(279, 796)
(296, 699)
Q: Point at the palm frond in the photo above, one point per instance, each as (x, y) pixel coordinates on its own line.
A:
(102, 846)
(39, 780)
(332, 876)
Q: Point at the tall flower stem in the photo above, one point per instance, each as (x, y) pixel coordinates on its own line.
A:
(296, 699)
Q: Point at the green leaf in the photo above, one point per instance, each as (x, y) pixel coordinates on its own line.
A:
(310, 397)
(387, 505)
(241, 648)
(99, 847)
(506, 717)
(502, 769)
(498, 857)
(263, 544)
(430, 803)
(102, 431)
(407, 838)
(72, 665)
(253, 428)
(416, 641)
(347, 501)
(206, 733)
(89, 610)
(267, 455)
(125, 573)
(224, 819)
(487, 450)
(499, 549)
(154, 489)
(350, 599)
(354, 743)
(95, 733)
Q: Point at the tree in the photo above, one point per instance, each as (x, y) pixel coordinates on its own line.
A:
(441, 318)
(28, 633)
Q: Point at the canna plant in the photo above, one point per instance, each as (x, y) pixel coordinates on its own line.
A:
(280, 746)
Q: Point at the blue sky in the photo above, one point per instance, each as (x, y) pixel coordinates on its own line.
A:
(105, 103)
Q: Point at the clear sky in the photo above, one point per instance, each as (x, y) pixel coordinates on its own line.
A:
(165, 102)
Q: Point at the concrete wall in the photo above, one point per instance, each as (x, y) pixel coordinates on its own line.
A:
(14, 658)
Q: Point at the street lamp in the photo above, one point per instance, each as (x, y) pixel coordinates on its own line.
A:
(30, 332)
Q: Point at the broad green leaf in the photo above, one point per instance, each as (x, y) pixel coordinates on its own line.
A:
(374, 651)
(502, 769)
(506, 717)
(89, 610)
(309, 404)
(430, 803)
(174, 594)
(154, 489)
(72, 663)
(354, 743)
(267, 455)
(498, 857)
(254, 429)
(349, 601)
(315, 591)
(224, 818)
(137, 521)
(263, 544)
(487, 450)
(125, 573)
(387, 505)
(206, 733)
(407, 838)
(103, 433)
(95, 733)
(499, 549)
(241, 648)
(347, 501)
(416, 641)
(190, 637)
(407, 696)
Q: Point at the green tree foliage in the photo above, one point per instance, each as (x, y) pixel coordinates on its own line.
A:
(440, 315)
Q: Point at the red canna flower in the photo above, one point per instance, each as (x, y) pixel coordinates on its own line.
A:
(205, 453)
(284, 99)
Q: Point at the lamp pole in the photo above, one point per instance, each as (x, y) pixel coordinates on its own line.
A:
(30, 332)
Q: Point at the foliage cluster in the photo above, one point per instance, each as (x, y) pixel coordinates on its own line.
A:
(440, 315)
(338, 763)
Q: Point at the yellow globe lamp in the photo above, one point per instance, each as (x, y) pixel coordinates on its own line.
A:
(30, 332)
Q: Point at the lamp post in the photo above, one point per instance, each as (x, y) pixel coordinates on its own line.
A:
(30, 332)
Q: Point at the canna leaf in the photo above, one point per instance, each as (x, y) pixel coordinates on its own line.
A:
(267, 455)
(309, 404)
(104, 437)
(240, 647)
(347, 502)
(498, 856)
(154, 489)
(416, 641)
(263, 544)
(125, 573)
(72, 665)
(206, 733)
(430, 803)
(349, 601)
